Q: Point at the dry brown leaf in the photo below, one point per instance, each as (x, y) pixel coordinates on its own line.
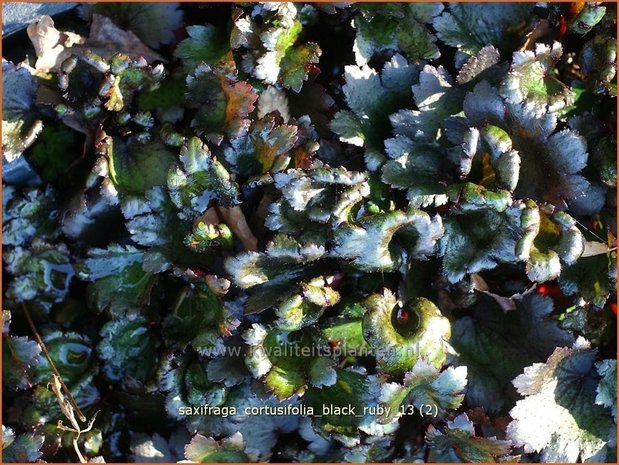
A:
(210, 217)
(259, 215)
(51, 46)
(542, 27)
(479, 283)
(507, 304)
(107, 39)
(595, 248)
(235, 219)
(219, 286)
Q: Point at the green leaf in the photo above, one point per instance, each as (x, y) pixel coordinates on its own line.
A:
(153, 448)
(591, 278)
(436, 99)
(222, 102)
(153, 222)
(73, 355)
(44, 406)
(548, 242)
(353, 389)
(282, 59)
(495, 346)
(54, 151)
(607, 388)
(20, 125)
(495, 24)
(28, 214)
(541, 150)
(199, 319)
(276, 41)
(128, 349)
(296, 63)
(19, 356)
(166, 100)
(598, 60)
(260, 432)
(530, 80)
(264, 147)
(205, 44)
(118, 281)
(349, 128)
(601, 144)
(400, 335)
(369, 245)
(202, 179)
(346, 334)
(558, 415)
(460, 441)
(322, 372)
(372, 98)
(228, 366)
(398, 29)
(206, 450)
(42, 273)
(24, 448)
(286, 362)
(474, 68)
(135, 167)
(588, 321)
(125, 80)
(184, 379)
(418, 167)
(276, 273)
(602, 157)
(306, 307)
(203, 236)
(425, 385)
(7, 436)
(488, 158)
(314, 197)
(589, 15)
(480, 234)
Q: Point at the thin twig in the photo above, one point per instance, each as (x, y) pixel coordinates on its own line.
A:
(584, 226)
(51, 363)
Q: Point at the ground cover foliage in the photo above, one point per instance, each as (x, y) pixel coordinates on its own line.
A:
(405, 211)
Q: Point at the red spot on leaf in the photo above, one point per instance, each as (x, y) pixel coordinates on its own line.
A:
(403, 316)
(562, 27)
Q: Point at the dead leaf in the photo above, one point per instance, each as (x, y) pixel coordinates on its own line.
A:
(219, 286)
(78, 123)
(51, 46)
(235, 219)
(479, 417)
(260, 213)
(445, 303)
(479, 283)
(507, 304)
(595, 248)
(542, 27)
(209, 217)
(107, 39)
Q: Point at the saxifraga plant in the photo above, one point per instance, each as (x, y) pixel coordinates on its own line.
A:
(308, 232)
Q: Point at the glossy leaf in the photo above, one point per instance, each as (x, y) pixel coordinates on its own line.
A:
(563, 421)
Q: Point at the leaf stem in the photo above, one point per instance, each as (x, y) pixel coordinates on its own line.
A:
(51, 362)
